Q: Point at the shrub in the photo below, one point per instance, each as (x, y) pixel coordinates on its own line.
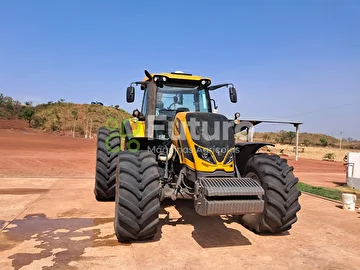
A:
(28, 114)
(80, 130)
(323, 142)
(38, 122)
(54, 126)
(306, 143)
(290, 136)
(329, 156)
(266, 137)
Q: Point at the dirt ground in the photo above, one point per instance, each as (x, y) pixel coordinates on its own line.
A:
(28, 154)
(23, 153)
(49, 219)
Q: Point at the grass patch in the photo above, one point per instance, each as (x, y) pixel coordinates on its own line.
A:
(330, 193)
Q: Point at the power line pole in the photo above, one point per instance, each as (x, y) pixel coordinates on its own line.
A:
(340, 139)
(87, 127)
(90, 135)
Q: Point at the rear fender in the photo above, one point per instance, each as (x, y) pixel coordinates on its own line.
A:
(244, 151)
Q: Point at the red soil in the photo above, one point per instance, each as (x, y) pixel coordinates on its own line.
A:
(24, 153)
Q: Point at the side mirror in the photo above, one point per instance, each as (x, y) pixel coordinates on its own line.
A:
(130, 94)
(232, 94)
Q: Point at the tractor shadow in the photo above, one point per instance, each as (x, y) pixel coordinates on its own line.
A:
(339, 184)
(209, 232)
(2, 224)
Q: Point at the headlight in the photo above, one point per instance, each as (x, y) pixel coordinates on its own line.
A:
(205, 82)
(204, 155)
(229, 157)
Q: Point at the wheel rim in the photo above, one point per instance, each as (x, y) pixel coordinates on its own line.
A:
(253, 176)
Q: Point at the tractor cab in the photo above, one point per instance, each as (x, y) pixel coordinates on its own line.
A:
(177, 92)
(167, 94)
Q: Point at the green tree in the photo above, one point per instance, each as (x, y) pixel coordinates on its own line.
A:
(290, 136)
(283, 136)
(28, 114)
(75, 115)
(323, 142)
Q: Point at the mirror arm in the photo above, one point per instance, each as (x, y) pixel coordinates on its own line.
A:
(137, 83)
(215, 105)
(214, 87)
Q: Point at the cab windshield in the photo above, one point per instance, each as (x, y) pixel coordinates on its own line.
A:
(174, 99)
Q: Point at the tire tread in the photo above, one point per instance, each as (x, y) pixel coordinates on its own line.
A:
(137, 190)
(105, 173)
(281, 194)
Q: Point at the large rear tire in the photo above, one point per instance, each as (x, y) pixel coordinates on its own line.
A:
(137, 198)
(281, 194)
(108, 147)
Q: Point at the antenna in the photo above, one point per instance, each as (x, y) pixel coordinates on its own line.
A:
(147, 73)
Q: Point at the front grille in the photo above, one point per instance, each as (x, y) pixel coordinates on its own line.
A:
(211, 131)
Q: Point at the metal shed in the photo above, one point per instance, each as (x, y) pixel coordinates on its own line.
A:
(253, 122)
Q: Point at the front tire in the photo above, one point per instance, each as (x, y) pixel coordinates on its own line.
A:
(281, 194)
(137, 198)
(108, 147)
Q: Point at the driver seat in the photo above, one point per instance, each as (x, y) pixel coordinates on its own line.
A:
(182, 109)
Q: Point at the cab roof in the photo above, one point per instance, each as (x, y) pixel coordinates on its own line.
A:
(178, 76)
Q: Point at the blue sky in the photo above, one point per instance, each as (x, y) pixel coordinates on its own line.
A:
(296, 60)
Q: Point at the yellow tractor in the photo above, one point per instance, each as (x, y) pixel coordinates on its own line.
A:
(177, 147)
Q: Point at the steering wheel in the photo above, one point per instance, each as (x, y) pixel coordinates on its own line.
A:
(172, 104)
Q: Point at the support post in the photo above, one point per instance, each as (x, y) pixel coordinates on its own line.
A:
(87, 127)
(251, 134)
(297, 143)
(74, 129)
(90, 131)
